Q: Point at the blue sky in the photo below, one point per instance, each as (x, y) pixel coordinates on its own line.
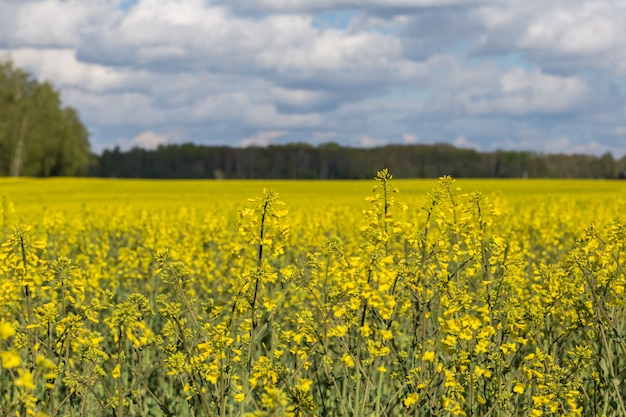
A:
(542, 75)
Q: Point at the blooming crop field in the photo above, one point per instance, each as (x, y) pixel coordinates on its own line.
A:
(278, 298)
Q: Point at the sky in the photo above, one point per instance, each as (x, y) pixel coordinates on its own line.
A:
(541, 75)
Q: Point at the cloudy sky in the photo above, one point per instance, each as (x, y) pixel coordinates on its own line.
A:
(544, 75)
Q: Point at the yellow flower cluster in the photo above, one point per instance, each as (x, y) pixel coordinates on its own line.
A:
(444, 304)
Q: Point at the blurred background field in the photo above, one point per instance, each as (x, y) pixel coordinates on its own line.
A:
(31, 196)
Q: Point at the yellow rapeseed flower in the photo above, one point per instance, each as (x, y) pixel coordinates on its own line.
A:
(410, 399)
(337, 331)
(25, 379)
(347, 360)
(10, 359)
(116, 372)
(6, 330)
(386, 334)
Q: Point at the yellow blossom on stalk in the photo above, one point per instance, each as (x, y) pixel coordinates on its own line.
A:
(519, 388)
(304, 384)
(386, 310)
(10, 359)
(25, 379)
(366, 330)
(452, 325)
(541, 400)
(347, 360)
(376, 349)
(428, 356)
(386, 334)
(466, 334)
(482, 346)
(6, 330)
(355, 303)
(116, 372)
(263, 372)
(507, 348)
(450, 379)
(274, 398)
(449, 341)
(337, 331)
(410, 399)
(486, 332)
(479, 371)
(212, 376)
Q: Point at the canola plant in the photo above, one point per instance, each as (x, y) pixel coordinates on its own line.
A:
(451, 303)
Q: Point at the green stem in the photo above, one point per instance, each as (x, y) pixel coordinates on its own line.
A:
(120, 397)
(379, 393)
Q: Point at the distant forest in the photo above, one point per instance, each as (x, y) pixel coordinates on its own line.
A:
(332, 161)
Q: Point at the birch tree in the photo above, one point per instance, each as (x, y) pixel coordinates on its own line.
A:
(38, 136)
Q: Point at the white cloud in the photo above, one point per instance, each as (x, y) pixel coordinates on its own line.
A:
(463, 142)
(410, 138)
(561, 35)
(307, 5)
(145, 140)
(117, 108)
(50, 23)
(586, 29)
(366, 141)
(63, 68)
(287, 48)
(516, 92)
(522, 92)
(262, 138)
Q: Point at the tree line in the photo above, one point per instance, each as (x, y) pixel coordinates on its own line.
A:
(38, 136)
(333, 161)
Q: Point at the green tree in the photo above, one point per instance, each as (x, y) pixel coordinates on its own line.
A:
(38, 136)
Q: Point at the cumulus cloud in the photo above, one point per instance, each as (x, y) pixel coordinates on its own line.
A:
(564, 36)
(262, 138)
(366, 141)
(463, 142)
(61, 66)
(146, 140)
(50, 23)
(520, 92)
(588, 29)
(410, 138)
(307, 6)
(507, 74)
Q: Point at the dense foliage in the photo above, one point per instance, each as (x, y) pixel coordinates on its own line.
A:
(38, 137)
(332, 161)
(457, 304)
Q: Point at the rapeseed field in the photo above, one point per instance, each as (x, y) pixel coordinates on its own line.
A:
(276, 298)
